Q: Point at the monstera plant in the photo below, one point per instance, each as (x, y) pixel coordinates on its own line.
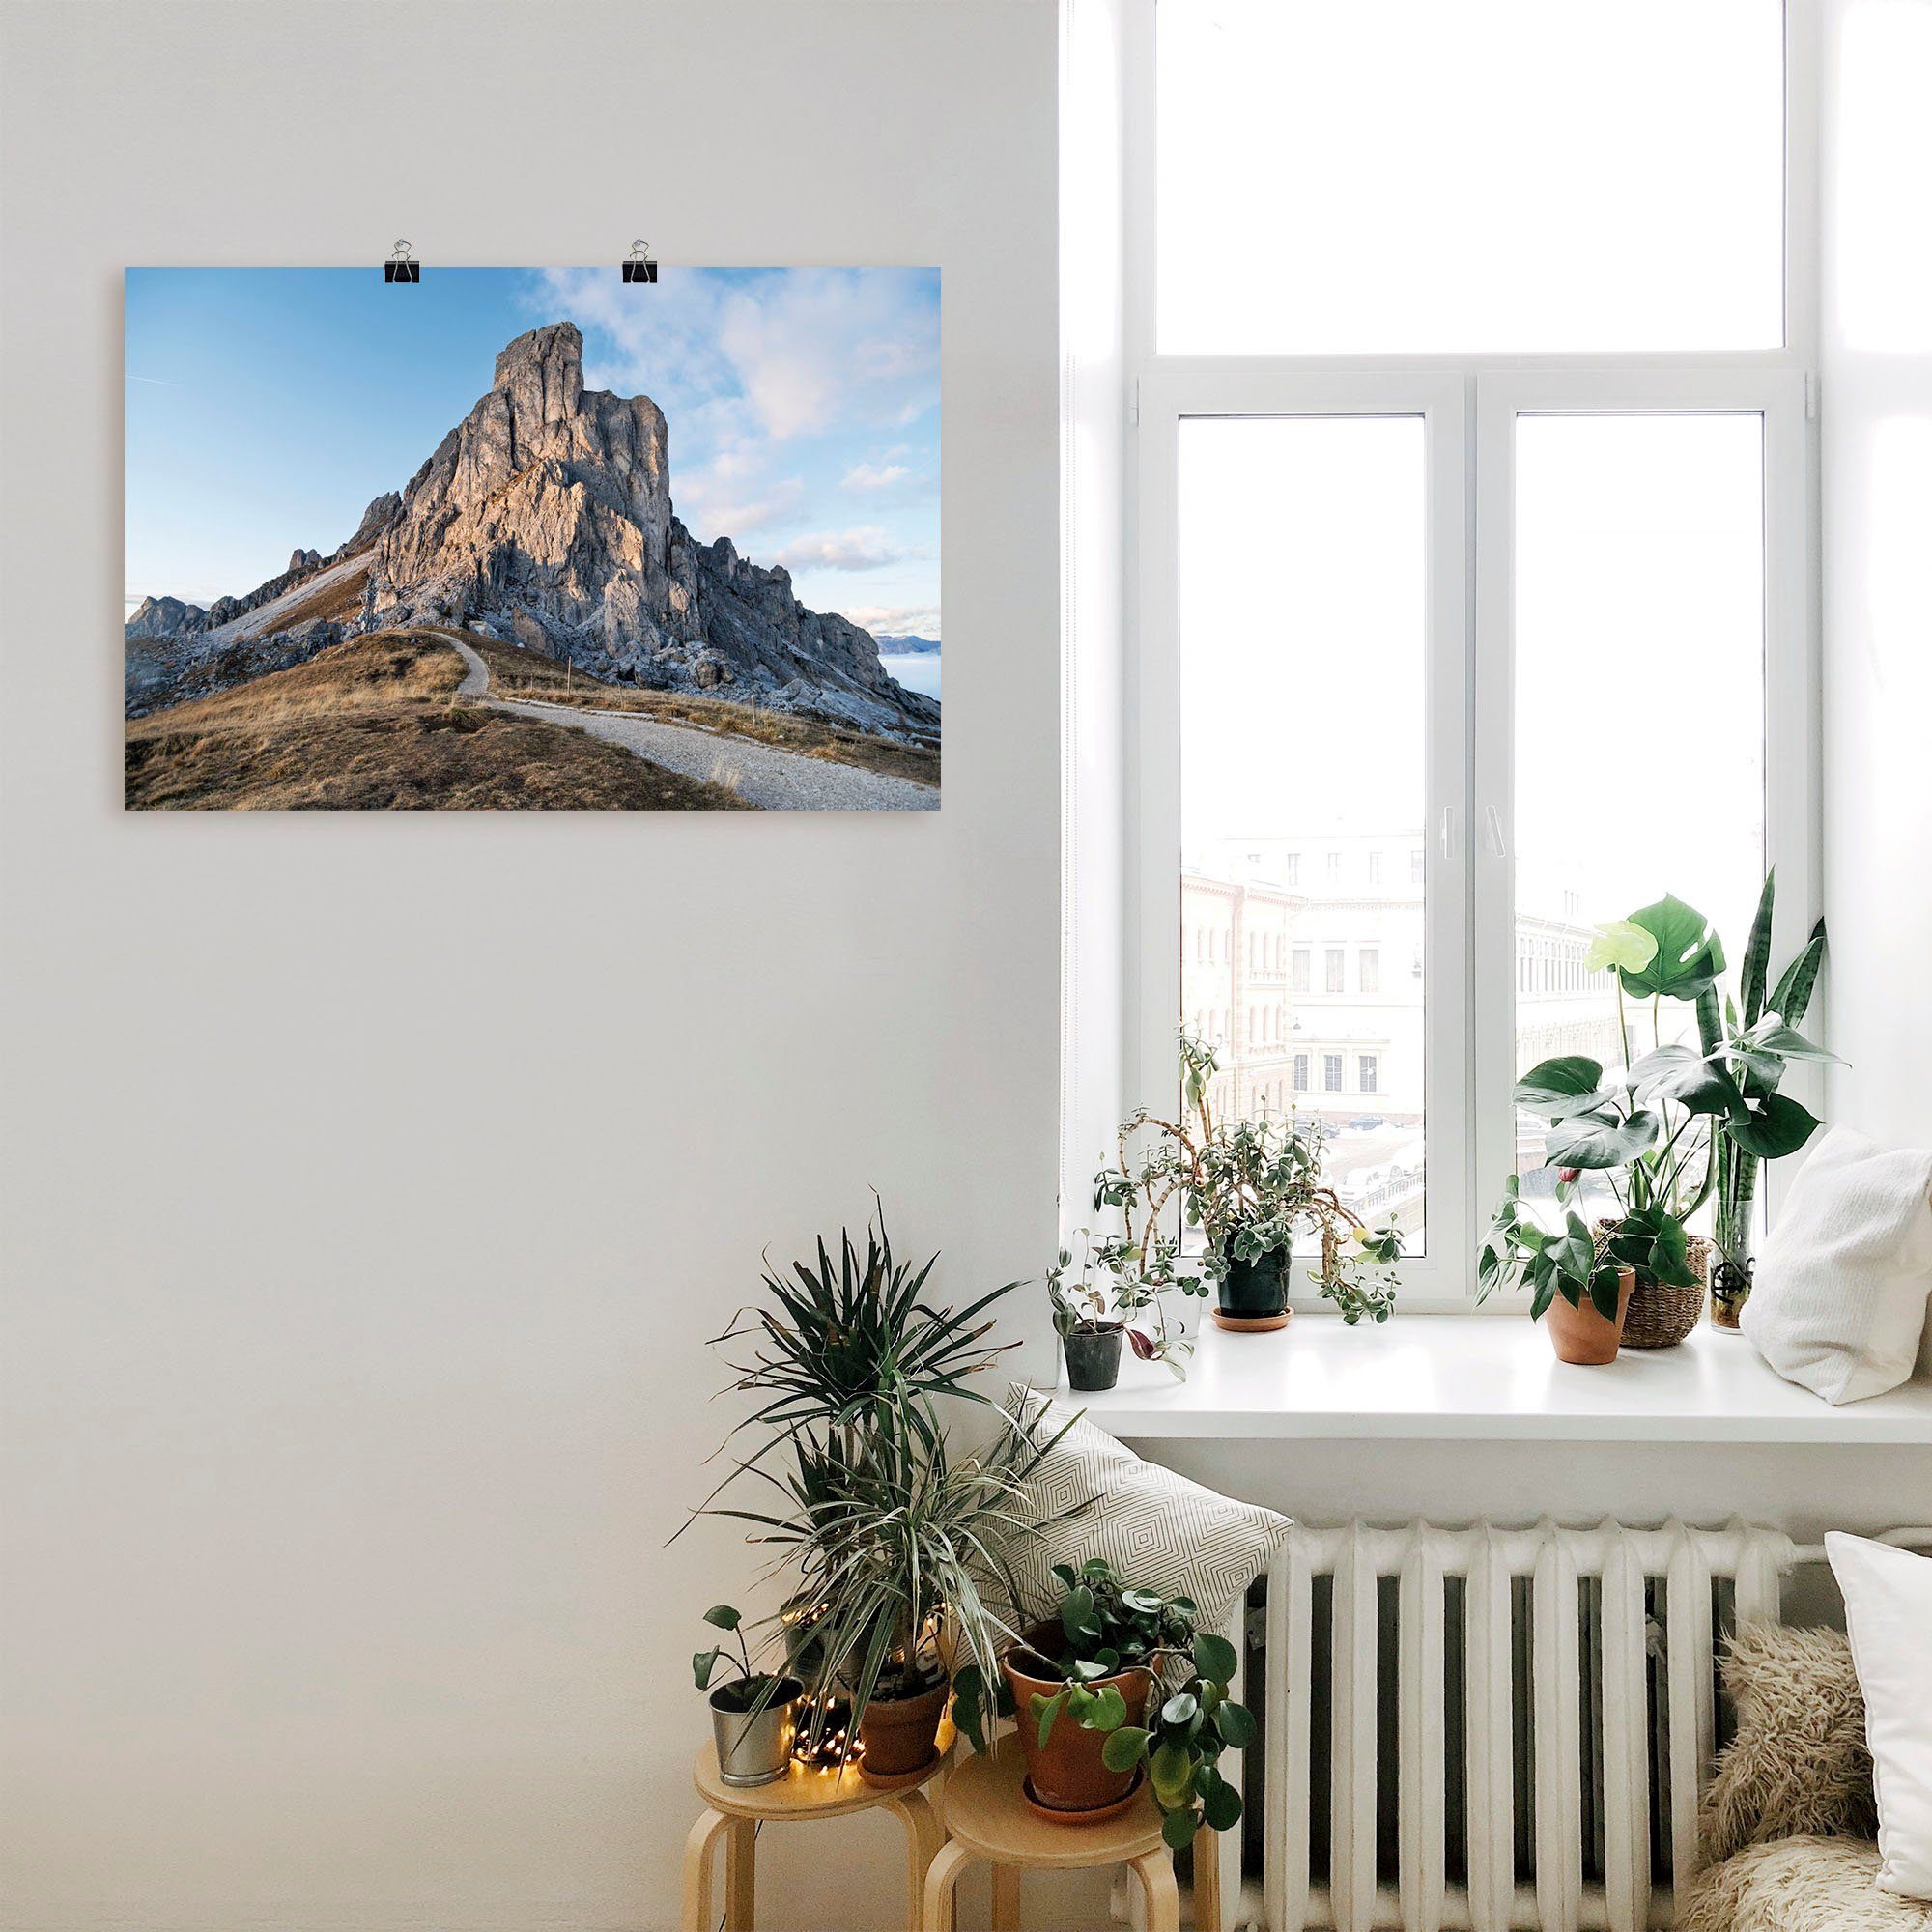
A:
(1688, 1120)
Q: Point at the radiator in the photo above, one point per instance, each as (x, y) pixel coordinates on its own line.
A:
(1505, 1727)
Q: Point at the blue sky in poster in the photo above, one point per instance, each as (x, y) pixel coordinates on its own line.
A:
(266, 407)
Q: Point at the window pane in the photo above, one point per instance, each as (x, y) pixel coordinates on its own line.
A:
(1375, 175)
(1302, 639)
(1639, 706)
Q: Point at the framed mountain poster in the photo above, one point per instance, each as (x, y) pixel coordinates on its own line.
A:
(533, 539)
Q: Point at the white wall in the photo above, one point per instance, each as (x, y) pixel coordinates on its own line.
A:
(1876, 420)
(1876, 454)
(371, 1186)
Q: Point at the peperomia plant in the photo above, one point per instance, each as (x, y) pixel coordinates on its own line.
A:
(1109, 1627)
(1250, 1186)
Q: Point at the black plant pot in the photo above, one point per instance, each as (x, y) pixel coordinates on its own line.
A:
(1255, 1290)
(1094, 1360)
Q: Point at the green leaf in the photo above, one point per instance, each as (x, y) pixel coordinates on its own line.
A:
(1698, 1084)
(1777, 1126)
(1109, 1712)
(702, 1663)
(1600, 1140)
(1171, 1770)
(1144, 1600)
(1606, 1290)
(1237, 1725)
(1622, 945)
(1559, 1088)
(1792, 994)
(1045, 1710)
(969, 1705)
(1222, 1806)
(1757, 953)
(723, 1616)
(1215, 1658)
(1181, 1710)
(1690, 956)
(1123, 1748)
(1178, 1829)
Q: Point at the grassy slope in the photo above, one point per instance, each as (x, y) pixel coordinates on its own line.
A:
(517, 673)
(374, 725)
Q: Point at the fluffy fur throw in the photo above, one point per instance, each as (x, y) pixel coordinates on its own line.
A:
(1799, 1885)
(1798, 1765)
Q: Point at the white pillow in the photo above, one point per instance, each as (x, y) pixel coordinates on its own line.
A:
(1888, 1618)
(1838, 1300)
(1155, 1527)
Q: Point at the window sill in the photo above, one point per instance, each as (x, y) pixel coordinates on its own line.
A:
(1459, 1377)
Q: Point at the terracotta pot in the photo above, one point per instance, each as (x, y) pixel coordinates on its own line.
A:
(1066, 1773)
(1581, 1334)
(901, 1734)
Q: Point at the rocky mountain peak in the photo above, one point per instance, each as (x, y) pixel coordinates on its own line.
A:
(542, 373)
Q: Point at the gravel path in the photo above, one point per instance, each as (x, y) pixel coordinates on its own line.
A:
(761, 775)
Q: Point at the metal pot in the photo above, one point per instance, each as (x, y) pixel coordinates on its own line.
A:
(1092, 1359)
(754, 1745)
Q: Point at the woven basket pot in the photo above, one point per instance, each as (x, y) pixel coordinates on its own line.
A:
(1661, 1317)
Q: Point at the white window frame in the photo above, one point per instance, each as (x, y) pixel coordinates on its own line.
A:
(1469, 403)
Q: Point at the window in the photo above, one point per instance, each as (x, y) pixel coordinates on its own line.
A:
(1469, 176)
(1509, 498)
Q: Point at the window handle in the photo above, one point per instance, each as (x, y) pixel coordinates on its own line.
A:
(1446, 833)
(1493, 824)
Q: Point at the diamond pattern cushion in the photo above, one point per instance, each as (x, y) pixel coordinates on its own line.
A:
(1157, 1528)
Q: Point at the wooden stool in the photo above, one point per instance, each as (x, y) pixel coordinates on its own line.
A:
(735, 1813)
(987, 1818)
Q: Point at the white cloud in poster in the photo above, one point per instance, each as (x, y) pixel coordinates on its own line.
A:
(867, 548)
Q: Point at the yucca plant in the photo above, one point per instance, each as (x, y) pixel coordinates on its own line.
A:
(850, 1351)
(896, 1553)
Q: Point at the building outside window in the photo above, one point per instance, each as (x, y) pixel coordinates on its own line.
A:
(1301, 1073)
(1333, 961)
(1331, 1073)
(1375, 868)
(1369, 970)
(1365, 1072)
(1298, 973)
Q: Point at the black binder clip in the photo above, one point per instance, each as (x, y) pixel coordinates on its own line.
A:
(637, 264)
(402, 266)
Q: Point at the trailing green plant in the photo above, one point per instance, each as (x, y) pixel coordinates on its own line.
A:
(1251, 1187)
(744, 1687)
(1110, 1625)
(1522, 1251)
(1095, 1298)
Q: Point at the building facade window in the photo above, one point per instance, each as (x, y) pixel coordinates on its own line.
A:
(1365, 1072)
(1369, 970)
(1331, 1073)
(1301, 1073)
(1334, 969)
(1298, 972)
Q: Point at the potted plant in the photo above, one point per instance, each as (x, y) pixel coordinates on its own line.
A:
(753, 1712)
(1755, 1039)
(1095, 1717)
(1251, 1187)
(884, 1535)
(1095, 1310)
(1576, 1283)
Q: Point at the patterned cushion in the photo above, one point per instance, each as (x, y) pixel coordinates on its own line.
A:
(1157, 1528)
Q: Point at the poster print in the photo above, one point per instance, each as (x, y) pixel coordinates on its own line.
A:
(533, 539)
